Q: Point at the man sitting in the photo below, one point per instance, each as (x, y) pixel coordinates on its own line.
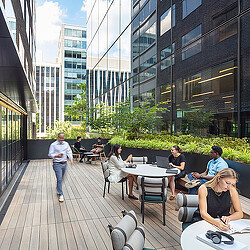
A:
(213, 167)
(79, 147)
(98, 147)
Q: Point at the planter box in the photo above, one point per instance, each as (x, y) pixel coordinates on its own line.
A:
(196, 163)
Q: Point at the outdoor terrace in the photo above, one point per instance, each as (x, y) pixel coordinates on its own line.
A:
(36, 220)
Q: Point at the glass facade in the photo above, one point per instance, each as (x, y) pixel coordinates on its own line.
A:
(72, 56)
(108, 49)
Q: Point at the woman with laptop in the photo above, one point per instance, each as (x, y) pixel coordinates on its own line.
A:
(115, 163)
(176, 160)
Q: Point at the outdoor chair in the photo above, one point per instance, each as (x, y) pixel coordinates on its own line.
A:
(102, 153)
(187, 204)
(106, 173)
(153, 190)
(75, 152)
(139, 159)
(127, 235)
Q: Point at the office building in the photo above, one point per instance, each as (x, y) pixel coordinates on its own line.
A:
(194, 56)
(48, 96)
(108, 52)
(103, 83)
(72, 56)
(17, 102)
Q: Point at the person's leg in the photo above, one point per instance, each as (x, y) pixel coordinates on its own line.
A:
(195, 189)
(64, 166)
(172, 184)
(130, 185)
(58, 171)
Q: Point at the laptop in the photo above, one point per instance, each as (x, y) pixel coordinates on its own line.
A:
(162, 162)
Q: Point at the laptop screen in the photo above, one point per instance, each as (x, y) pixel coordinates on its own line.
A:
(162, 162)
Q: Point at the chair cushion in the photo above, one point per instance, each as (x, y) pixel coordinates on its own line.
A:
(139, 159)
(185, 214)
(136, 240)
(105, 169)
(153, 198)
(187, 200)
(123, 230)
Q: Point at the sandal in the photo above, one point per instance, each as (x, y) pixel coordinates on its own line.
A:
(193, 183)
(172, 197)
(132, 197)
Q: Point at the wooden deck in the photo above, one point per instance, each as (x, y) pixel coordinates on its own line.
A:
(36, 220)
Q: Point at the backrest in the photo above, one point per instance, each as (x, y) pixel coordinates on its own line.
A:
(139, 159)
(152, 186)
(105, 169)
(126, 235)
(74, 150)
(187, 204)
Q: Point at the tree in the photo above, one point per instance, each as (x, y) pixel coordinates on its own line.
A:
(78, 109)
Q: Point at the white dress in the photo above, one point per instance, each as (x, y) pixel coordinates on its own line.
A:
(115, 164)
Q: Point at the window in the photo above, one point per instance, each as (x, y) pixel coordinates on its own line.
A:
(165, 53)
(189, 6)
(167, 21)
(193, 48)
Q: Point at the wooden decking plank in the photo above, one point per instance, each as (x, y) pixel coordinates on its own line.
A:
(34, 237)
(16, 239)
(25, 241)
(79, 235)
(44, 237)
(62, 243)
(70, 238)
(30, 213)
(37, 215)
(71, 210)
(52, 236)
(51, 212)
(84, 209)
(7, 239)
(93, 230)
(22, 215)
(77, 209)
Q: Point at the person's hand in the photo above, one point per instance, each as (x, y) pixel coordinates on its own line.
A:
(226, 219)
(193, 173)
(71, 161)
(222, 226)
(196, 175)
(59, 156)
(171, 164)
(130, 157)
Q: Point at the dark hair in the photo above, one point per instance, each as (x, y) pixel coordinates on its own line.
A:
(217, 149)
(78, 137)
(114, 150)
(60, 133)
(99, 138)
(177, 148)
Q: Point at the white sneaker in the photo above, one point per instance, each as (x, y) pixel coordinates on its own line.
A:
(61, 198)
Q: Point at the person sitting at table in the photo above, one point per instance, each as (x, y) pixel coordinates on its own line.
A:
(79, 147)
(215, 199)
(97, 147)
(213, 167)
(176, 160)
(115, 164)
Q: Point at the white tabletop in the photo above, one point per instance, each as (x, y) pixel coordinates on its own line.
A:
(148, 170)
(189, 241)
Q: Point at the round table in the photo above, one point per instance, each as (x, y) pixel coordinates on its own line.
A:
(189, 241)
(148, 170)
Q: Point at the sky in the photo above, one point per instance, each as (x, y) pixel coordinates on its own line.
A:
(49, 17)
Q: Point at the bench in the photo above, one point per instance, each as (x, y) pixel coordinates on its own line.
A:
(245, 202)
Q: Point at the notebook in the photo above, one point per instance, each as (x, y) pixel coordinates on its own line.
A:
(162, 162)
(236, 246)
(237, 226)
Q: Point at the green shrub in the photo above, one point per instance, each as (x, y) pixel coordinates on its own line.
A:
(233, 148)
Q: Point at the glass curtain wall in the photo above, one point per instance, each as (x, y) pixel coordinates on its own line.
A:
(193, 55)
(11, 144)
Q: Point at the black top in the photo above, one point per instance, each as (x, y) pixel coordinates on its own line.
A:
(218, 204)
(99, 143)
(178, 160)
(78, 145)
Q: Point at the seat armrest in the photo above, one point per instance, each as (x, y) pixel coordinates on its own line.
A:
(185, 214)
(187, 200)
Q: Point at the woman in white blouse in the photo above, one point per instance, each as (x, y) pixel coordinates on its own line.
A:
(115, 163)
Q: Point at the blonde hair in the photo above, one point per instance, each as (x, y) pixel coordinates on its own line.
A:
(224, 173)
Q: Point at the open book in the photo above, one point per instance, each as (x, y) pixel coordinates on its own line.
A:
(237, 226)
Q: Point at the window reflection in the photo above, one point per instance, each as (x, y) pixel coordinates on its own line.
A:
(167, 20)
(189, 6)
(165, 54)
(193, 48)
